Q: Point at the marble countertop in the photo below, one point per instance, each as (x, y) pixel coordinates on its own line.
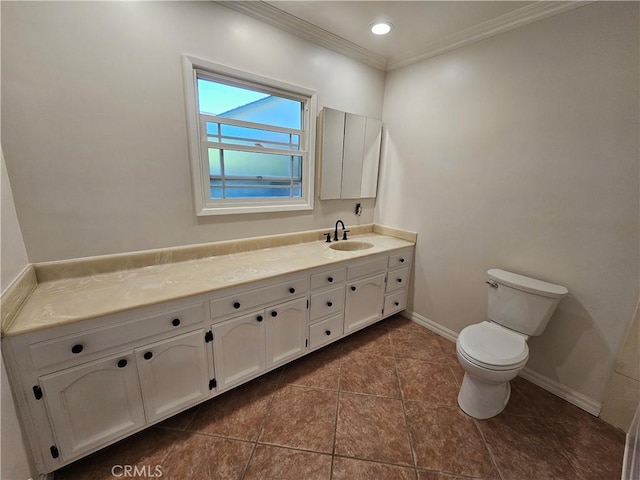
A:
(65, 300)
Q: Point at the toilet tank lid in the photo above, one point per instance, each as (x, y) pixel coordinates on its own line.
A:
(527, 284)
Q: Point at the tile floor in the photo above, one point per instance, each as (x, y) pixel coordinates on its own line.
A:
(379, 404)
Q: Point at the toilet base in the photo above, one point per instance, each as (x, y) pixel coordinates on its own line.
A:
(483, 400)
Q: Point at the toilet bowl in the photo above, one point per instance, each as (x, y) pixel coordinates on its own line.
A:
(491, 356)
(494, 352)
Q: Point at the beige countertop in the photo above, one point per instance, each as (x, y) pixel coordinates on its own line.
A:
(65, 300)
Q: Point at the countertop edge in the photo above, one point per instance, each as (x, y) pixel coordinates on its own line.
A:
(15, 296)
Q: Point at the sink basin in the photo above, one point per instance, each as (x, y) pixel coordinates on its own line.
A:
(350, 245)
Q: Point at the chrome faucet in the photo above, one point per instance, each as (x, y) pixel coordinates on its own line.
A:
(344, 232)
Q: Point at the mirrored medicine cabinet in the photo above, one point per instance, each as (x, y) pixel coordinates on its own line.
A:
(349, 154)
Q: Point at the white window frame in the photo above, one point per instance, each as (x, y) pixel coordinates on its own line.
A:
(199, 154)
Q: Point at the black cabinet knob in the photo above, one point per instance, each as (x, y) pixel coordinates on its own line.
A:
(175, 322)
(122, 363)
(329, 304)
(399, 280)
(77, 348)
(274, 313)
(330, 279)
(327, 332)
(397, 304)
(259, 318)
(292, 290)
(353, 288)
(236, 305)
(148, 355)
(402, 260)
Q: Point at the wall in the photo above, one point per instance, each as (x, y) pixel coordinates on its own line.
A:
(623, 393)
(94, 125)
(521, 152)
(14, 460)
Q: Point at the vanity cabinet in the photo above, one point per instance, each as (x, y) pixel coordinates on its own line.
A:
(327, 307)
(365, 293)
(173, 374)
(82, 386)
(363, 305)
(349, 155)
(399, 270)
(247, 345)
(94, 403)
(239, 349)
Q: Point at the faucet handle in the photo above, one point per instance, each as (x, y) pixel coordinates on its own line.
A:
(328, 235)
(344, 234)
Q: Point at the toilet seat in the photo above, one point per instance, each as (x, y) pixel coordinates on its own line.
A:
(491, 346)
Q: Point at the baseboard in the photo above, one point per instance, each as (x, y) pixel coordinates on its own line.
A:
(587, 404)
(430, 325)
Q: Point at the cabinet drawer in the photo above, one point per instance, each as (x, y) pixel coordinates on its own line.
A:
(326, 279)
(81, 347)
(395, 302)
(325, 331)
(400, 259)
(397, 279)
(366, 268)
(247, 299)
(326, 303)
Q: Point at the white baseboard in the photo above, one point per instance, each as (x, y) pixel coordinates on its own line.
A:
(430, 325)
(566, 393)
(587, 404)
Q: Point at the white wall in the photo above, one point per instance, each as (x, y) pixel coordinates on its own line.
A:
(94, 121)
(14, 460)
(521, 152)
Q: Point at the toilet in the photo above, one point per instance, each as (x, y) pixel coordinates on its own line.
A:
(494, 352)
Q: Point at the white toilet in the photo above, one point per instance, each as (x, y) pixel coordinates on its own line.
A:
(493, 352)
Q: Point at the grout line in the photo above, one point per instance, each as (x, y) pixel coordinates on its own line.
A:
(486, 446)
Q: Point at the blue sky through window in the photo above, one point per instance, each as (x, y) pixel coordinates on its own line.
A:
(217, 98)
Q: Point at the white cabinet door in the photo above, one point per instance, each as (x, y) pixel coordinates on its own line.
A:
(364, 302)
(173, 374)
(239, 349)
(330, 151)
(371, 158)
(354, 129)
(286, 331)
(94, 403)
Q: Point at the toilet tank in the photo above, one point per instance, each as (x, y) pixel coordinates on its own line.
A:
(521, 303)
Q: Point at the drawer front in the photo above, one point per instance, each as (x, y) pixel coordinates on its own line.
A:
(397, 279)
(326, 279)
(81, 347)
(325, 331)
(366, 268)
(400, 259)
(395, 302)
(250, 299)
(327, 303)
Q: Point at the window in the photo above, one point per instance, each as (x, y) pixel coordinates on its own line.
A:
(251, 141)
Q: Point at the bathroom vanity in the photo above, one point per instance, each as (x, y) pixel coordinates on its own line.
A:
(95, 357)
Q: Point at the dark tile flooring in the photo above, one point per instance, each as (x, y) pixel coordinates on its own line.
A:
(379, 404)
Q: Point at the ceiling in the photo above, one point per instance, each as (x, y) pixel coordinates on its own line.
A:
(422, 29)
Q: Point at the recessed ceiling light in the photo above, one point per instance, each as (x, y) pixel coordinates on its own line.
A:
(381, 28)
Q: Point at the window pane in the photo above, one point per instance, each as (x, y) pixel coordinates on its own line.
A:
(214, 162)
(248, 105)
(254, 137)
(253, 174)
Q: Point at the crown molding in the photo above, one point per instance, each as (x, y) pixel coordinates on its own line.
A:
(271, 15)
(267, 13)
(504, 23)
